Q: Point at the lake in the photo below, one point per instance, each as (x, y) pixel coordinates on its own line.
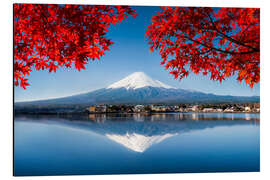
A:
(136, 143)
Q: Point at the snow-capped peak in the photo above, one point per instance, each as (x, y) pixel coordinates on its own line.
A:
(138, 80)
(138, 142)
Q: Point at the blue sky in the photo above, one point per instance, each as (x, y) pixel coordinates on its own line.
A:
(129, 53)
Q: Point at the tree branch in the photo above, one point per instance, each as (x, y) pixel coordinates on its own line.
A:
(220, 50)
(229, 38)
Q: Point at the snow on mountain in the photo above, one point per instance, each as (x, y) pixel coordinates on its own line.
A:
(138, 80)
(138, 88)
(138, 142)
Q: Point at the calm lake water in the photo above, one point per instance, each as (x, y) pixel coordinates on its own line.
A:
(135, 143)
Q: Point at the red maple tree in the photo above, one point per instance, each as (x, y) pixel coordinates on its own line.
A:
(52, 36)
(216, 41)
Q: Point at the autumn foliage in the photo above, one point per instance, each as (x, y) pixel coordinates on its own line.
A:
(53, 36)
(220, 42)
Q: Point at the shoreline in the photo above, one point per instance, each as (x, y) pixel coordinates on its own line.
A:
(107, 113)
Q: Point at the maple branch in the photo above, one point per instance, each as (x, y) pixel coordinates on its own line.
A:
(220, 50)
(230, 38)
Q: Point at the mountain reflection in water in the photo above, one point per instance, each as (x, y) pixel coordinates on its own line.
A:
(138, 132)
(136, 143)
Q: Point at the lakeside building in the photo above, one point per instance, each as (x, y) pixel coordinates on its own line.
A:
(231, 109)
(92, 109)
(247, 109)
(208, 109)
(139, 108)
(195, 108)
(181, 109)
(99, 108)
(159, 108)
(174, 108)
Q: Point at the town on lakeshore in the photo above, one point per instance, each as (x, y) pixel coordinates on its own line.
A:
(138, 108)
(250, 108)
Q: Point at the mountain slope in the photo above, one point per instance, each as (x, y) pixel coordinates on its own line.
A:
(138, 88)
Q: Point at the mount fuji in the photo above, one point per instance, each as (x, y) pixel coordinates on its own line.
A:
(138, 88)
